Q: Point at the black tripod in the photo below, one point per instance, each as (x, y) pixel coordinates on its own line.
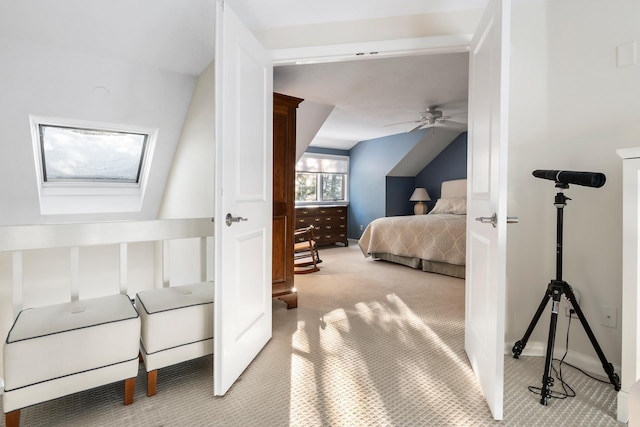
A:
(555, 290)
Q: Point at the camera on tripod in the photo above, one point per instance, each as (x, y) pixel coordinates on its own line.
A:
(588, 179)
(559, 287)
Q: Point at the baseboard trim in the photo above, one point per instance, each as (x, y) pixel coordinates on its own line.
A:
(623, 406)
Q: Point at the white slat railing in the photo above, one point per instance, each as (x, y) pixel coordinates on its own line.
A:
(17, 239)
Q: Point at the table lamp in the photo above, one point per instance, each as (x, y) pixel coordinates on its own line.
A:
(420, 195)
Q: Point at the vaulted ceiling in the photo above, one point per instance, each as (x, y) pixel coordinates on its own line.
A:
(378, 97)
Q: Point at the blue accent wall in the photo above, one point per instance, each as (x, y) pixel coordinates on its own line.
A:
(373, 195)
(399, 190)
(450, 164)
(370, 162)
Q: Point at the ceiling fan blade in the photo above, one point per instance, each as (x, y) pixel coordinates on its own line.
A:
(402, 123)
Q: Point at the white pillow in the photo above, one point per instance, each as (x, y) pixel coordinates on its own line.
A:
(455, 205)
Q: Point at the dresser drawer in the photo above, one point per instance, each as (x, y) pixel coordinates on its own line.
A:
(330, 223)
(303, 222)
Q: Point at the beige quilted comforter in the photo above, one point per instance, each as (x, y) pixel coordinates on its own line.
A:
(438, 237)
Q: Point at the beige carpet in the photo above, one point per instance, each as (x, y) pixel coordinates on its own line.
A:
(370, 344)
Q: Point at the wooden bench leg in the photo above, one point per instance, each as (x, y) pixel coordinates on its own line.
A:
(152, 381)
(12, 419)
(129, 390)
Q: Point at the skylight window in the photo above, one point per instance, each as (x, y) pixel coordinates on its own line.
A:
(71, 154)
(90, 168)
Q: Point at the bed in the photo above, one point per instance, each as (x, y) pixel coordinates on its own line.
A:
(435, 242)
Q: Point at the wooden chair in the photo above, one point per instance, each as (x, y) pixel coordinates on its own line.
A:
(305, 251)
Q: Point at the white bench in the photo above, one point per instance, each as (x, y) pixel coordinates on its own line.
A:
(57, 350)
(177, 325)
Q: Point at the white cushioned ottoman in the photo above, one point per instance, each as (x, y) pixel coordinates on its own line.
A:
(61, 349)
(177, 325)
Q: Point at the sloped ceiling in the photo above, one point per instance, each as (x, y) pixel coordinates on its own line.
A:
(148, 54)
(370, 96)
(144, 56)
(166, 34)
(310, 119)
(424, 152)
(179, 37)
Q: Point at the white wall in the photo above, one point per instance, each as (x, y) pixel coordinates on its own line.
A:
(571, 108)
(52, 82)
(190, 186)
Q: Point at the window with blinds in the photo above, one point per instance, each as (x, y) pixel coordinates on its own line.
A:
(322, 178)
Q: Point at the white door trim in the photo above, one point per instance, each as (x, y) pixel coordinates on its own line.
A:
(391, 48)
(372, 49)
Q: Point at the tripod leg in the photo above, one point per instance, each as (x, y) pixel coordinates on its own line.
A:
(547, 379)
(521, 344)
(608, 367)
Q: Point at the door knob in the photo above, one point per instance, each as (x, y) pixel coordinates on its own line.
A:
(493, 220)
(230, 219)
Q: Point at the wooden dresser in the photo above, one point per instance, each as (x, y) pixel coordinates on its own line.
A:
(330, 223)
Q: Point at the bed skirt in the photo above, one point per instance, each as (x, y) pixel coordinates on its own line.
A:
(423, 264)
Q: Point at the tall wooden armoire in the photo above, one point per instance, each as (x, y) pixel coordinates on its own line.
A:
(284, 171)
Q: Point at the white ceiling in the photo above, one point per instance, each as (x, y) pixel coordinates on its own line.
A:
(179, 37)
(366, 95)
(285, 13)
(163, 34)
(369, 95)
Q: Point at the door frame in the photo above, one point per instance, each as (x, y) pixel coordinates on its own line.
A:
(383, 49)
(378, 49)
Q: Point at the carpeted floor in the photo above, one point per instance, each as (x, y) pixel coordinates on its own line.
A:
(370, 344)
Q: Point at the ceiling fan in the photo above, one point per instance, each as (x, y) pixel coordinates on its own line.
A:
(431, 117)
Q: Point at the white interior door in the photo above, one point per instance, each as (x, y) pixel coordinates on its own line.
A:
(243, 164)
(487, 167)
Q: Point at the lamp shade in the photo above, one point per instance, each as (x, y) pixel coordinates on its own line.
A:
(420, 195)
